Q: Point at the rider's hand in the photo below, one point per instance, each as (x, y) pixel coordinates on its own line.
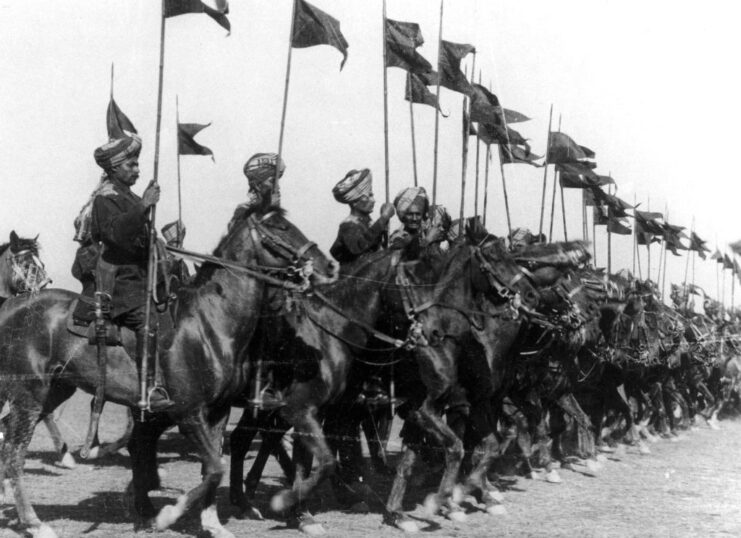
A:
(387, 211)
(151, 194)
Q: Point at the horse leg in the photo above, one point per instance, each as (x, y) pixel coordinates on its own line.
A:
(58, 394)
(103, 450)
(309, 432)
(207, 435)
(142, 448)
(394, 515)
(431, 421)
(19, 424)
(239, 442)
(483, 456)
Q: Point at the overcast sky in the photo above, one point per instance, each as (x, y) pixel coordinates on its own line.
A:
(652, 87)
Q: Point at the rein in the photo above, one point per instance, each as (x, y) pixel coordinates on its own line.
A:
(251, 270)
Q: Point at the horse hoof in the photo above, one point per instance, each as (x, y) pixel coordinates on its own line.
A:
(496, 510)
(432, 506)
(169, 514)
(279, 502)
(534, 475)
(593, 466)
(220, 532)
(713, 424)
(312, 528)
(457, 516)
(606, 449)
(250, 512)
(408, 526)
(643, 450)
(457, 495)
(67, 461)
(494, 495)
(552, 477)
(43, 531)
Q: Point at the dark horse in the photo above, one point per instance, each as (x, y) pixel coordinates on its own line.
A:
(201, 353)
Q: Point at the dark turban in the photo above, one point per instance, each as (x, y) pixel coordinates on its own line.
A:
(261, 167)
(117, 151)
(353, 186)
(411, 196)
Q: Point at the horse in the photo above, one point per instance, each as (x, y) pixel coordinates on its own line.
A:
(21, 269)
(201, 354)
(336, 311)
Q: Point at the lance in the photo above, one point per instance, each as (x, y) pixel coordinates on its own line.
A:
(635, 242)
(464, 158)
(177, 135)
(285, 100)
(563, 209)
(687, 265)
(386, 111)
(411, 123)
(609, 236)
(437, 109)
(666, 258)
(486, 182)
(478, 150)
(143, 402)
(553, 196)
(545, 171)
(501, 171)
(637, 253)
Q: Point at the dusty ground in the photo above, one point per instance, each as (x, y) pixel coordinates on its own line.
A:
(687, 488)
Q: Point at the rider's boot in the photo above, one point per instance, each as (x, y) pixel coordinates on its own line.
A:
(157, 398)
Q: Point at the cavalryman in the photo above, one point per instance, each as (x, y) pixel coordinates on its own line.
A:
(117, 220)
(357, 236)
(262, 194)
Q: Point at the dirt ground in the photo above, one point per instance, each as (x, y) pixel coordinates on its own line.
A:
(691, 487)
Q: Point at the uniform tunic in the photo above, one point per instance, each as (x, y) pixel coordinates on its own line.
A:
(356, 236)
(119, 221)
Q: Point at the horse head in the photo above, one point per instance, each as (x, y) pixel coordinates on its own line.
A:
(23, 270)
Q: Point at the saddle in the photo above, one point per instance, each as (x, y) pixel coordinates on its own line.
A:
(85, 327)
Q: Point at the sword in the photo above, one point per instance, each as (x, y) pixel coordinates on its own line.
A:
(102, 309)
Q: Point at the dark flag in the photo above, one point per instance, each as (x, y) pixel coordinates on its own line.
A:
(174, 8)
(562, 149)
(727, 263)
(647, 226)
(617, 205)
(402, 38)
(736, 247)
(450, 56)
(617, 227)
(672, 237)
(117, 122)
(579, 176)
(312, 26)
(648, 215)
(698, 245)
(511, 154)
(491, 133)
(417, 92)
(717, 256)
(485, 108)
(186, 143)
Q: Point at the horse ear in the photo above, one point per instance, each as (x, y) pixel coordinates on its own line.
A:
(13, 238)
(35, 239)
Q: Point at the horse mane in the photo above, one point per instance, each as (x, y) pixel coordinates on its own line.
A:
(205, 271)
(570, 254)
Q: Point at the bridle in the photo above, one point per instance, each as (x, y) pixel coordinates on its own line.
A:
(29, 274)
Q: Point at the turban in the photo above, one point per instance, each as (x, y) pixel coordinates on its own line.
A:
(408, 197)
(261, 167)
(352, 187)
(117, 151)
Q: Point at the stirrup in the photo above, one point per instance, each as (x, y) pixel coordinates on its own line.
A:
(166, 402)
